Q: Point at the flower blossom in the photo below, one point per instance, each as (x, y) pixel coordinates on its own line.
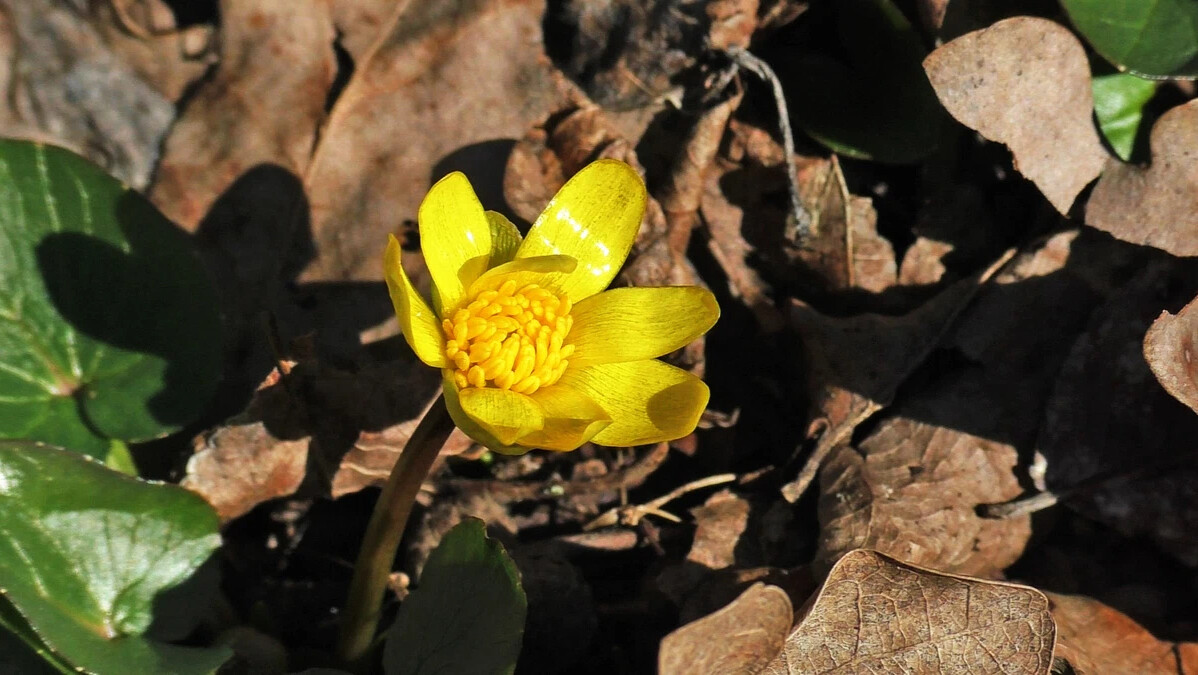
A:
(534, 352)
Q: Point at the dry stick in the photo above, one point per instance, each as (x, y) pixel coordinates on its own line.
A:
(799, 225)
(384, 532)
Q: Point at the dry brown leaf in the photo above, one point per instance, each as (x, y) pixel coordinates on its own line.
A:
(1096, 639)
(740, 638)
(1154, 205)
(429, 98)
(262, 106)
(875, 614)
(144, 34)
(360, 23)
(1170, 352)
(846, 387)
(317, 431)
(911, 490)
(1118, 448)
(1025, 82)
(719, 524)
(63, 84)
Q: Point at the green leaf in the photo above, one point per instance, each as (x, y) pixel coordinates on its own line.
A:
(90, 558)
(875, 103)
(466, 616)
(21, 650)
(109, 325)
(1153, 38)
(1119, 106)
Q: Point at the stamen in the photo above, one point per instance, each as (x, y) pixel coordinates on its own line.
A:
(510, 338)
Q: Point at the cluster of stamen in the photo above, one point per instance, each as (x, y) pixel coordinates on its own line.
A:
(510, 338)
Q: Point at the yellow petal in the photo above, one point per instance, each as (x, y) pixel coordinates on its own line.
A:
(648, 401)
(467, 424)
(505, 415)
(418, 323)
(505, 238)
(547, 271)
(455, 236)
(594, 219)
(571, 419)
(632, 324)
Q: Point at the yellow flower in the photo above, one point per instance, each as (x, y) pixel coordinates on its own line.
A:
(533, 351)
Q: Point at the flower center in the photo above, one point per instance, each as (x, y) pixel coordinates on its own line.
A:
(510, 338)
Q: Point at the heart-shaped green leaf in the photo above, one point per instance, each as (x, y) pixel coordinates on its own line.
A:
(874, 100)
(1119, 101)
(467, 615)
(109, 325)
(92, 558)
(1154, 38)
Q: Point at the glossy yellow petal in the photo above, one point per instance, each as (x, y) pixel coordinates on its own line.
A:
(594, 219)
(468, 425)
(648, 401)
(418, 323)
(455, 236)
(571, 419)
(505, 239)
(547, 271)
(505, 415)
(632, 324)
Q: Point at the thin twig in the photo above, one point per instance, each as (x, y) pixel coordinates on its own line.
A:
(798, 226)
(632, 515)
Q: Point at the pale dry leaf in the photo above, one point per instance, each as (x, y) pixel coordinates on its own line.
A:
(1097, 639)
(1170, 351)
(145, 35)
(431, 97)
(1154, 205)
(743, 637)
(719, 524)
(262, 106)
(1025, 82)
(875, 614)
(1113, 430)
(911, 490)
(360, 23)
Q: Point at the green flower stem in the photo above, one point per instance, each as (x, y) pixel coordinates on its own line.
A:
(377, 555)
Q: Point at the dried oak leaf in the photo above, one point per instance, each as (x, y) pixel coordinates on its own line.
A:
(1097, 639)
(1025, 82)
(262, 106)
(1117, 447)
(876, 614)
(912, 489)
(430, 97)
(1154, 205)
(743, 637)
(1170, 351)
(317, 431)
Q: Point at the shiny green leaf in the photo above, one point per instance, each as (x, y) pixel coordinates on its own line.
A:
(1154, 38)
(100, 564)
(109, 325)
(467, 614)
(1119, 106)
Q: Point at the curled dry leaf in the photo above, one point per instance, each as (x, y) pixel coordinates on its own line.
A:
(1118, 448)
(743, 637)
(429, 98)
(1154, 205)
(144, 33)
(1025, 82)
(317, 431)
(262, 106)
(1170, 351)
(876, 614)
(1097, 639)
